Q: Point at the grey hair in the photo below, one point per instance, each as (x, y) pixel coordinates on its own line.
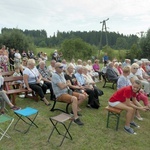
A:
(41, 62)
(78, 67)
(138, 82)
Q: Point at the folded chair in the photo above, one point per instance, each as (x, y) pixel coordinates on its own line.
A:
(7, 121)
(61, 119)
(28, 116)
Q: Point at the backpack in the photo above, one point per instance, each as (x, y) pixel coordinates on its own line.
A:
(95, 103)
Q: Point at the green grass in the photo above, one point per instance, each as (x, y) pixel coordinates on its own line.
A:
(92, 136)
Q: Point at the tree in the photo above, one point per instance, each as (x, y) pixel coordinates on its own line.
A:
(135, 52)
(77, 48)
(42, 44)
(145, 45)
(121, 43)
(16, 39)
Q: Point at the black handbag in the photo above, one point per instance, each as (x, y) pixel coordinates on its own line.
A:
(70, 92)
(99, 92)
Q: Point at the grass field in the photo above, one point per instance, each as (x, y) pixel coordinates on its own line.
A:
(92, 136)
(49, 51)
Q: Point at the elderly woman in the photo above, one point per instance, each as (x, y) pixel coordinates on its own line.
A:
(96, 68)
(111, 74)
(141, 94)
(116, 64)
(70, 77)
(136, 73)
(32, 79)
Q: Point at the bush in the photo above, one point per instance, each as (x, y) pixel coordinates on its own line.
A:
(77, 48)
(16, 39)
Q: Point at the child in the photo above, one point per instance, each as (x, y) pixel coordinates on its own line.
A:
(4, 97)
(121, 99)
(18, 74)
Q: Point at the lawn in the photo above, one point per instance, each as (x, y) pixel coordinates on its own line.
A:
(92, 136)
(49, 51)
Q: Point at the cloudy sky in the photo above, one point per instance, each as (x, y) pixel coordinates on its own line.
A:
(125, 16)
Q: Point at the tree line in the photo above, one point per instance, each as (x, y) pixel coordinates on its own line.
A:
(115, 40)
(29, 39)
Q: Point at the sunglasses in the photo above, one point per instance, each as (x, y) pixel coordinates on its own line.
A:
(60, 67)
(135, 68)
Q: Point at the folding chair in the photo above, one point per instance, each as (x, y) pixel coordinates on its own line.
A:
(3, 119)
(26, 115)
(3, 103)
(61, 119)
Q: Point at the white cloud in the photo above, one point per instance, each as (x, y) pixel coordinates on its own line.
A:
(126, 16)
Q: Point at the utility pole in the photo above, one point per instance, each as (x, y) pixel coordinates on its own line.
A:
(141, 33)
(103, 28)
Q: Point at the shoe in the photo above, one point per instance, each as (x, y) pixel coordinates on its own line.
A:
(15, 108)
(52, 98)
(130, 130)
(134, 124)
(21, 96)
(88, 106)
(48, 91)
(47, 104)
(2, 112)
(78, 122)
(77, 113)
(139, 118)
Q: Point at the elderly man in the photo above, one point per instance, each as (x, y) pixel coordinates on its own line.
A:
(46, 78)
(81, 82)
(60, 88)
(111, 74)
(51, 67)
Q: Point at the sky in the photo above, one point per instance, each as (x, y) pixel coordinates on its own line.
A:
(125, 16)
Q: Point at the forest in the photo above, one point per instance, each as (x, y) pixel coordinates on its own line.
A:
(134, 46)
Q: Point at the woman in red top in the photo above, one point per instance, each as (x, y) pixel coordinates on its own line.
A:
(121, 99)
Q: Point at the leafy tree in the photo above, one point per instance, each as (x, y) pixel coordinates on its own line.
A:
(145, 45)
(121, 43)
(135, 52)
(42, 44)
(77, 48)
(16, 39)
(109, 51)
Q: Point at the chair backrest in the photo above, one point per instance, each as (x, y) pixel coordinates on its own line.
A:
(10, 79)
(7, 74)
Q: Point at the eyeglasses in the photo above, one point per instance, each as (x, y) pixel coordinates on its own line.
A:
(60, 67)
(135, 68)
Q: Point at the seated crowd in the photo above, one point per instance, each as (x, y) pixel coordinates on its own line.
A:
(74, 83)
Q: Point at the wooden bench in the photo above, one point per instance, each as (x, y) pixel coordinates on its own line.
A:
(113, 111)
(13, 89)
(106, 80)
(66, 109)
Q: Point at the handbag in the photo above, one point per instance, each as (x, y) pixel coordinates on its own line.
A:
(70, 92)
(99, 92)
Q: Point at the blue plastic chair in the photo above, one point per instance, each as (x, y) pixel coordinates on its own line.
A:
(26, 116)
